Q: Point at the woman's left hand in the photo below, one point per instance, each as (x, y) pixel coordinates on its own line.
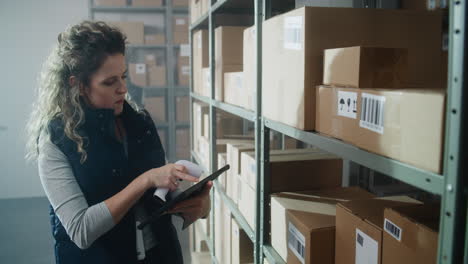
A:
(195, 208)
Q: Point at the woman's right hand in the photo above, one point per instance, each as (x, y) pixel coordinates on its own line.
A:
(168, 176)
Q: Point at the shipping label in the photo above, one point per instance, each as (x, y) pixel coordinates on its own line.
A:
(372, 112)
(293, 33)
(184, 50)
(185, 70)
(367, 249)
(392, 229)
(180, 21)
(140, 68)
(347, 104)
(296, 242)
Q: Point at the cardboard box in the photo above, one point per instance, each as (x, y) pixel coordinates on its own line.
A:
(204, 7)
(411, 234)
(297, 39)
(394, 123)
(200, 59)
(234, 151)
(147, 3)
(199, 108)
(155, 39)
(319, 202)
(242, 246)
(201, 258)
(234, 89)
(134, 31)
(228, 52)
(137, 74)
(183, 71)
(204, 151)
(110, 2)
(311, 237)
(156, 106)
(366, 67)
(181, 37)
(180, 3)
(221, 234)
(295, 171)
(359, 227)
(206, 82)
(227, 231)
(195, 10)
(183, 143)
(246, 197)
(222, 157)
(180, 23)
(201, 244)
(156, 75)
(250, 67)
(182, 109)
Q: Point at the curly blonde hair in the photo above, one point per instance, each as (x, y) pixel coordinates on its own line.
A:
(80, 51)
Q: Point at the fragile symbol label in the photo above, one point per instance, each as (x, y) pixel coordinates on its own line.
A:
(347, 104)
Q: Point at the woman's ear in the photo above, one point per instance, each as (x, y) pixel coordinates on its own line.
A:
(72, 81)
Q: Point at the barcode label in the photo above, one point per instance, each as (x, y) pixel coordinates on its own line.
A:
(296, 242)
(180, 21)
(392, 229)
(367, 249)
(185, 70)
(372, 112)
(140, 68)
(293, 33)
(347, 104)
(184, 50)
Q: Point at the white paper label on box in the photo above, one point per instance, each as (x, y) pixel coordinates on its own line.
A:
(140, 68)
(347, 104)
(367, 249)
(180, 21)
(392, 229)
(184, 50)
(296, 242)
(372, 112)
(199, 41)
(293, 33)
(185, 70)
(238, 82)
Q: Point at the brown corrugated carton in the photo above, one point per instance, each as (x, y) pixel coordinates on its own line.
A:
(147, 3)
(156, 75)
(180, 3)
(155, 39)
(183, 71)
(293, 60)
(181, 37)
(319, 202)
(250, 67)
(200, 59)
(137, 74)
(246, 196)
(366, 67)
(206, 82)
(180, 23)
(222, 157)
(411, 234)
(242, 246)
(195, 10)
(228, 51)
(359, 226)
(234, 151)
(182, 109)
(404, 124)
(199, 108)
(156, 106)
(134, 31)
(234, 89)
(183, 143)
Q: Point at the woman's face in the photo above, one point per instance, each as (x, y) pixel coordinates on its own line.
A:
(107, 87)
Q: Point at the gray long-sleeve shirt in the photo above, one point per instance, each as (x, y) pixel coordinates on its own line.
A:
(83, 223)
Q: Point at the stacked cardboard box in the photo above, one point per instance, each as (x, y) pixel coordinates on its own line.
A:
(133, 30)
(222, 230)
(198, 8)
(183, 143)
(155, 39)
(200, 60)
(241, 245)
(298, 38)
(180, 3)
(183, 65)
(182, 108)
(180, 30)
(297, 215)
(249, 62)
(156, 70)
(156, 106)
(228, 55)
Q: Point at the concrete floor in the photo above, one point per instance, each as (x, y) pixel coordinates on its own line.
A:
(25, 235)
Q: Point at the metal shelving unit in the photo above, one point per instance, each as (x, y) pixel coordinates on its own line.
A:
(170, 91)
(450, 185)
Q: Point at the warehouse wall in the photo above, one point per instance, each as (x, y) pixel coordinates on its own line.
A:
(28, 30)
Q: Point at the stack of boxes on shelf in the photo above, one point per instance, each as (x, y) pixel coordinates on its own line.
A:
(198, 8)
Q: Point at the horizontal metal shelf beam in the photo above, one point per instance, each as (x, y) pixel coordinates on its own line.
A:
(419, 178)
(201, 98)
(202, 22)
(235, 110)
(236, 213)
(128, 9)
(272, 256)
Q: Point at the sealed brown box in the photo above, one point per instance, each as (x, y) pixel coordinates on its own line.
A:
(298, 38)
(242, 246)
(319, 202)
(234, 89)
(295, 170)
(134, 31)
(404, 124)
(180, 3)
(200, 59)
(183, 71)
(311, 238)
(250, 67)
(156, 75)
(411, 234)
(155, 39)
(181, 37)
(183, 143)
(201, 258)
(366, 67)
(228, 51)
(147, 3)
(234, 151)
(245, 197)
(182, 109)
(137, 74)
(110, 2)
(180, 24)
(195, 10)
(199, 108)
(222, 229)
(206, 82)
(156, 106)
(359, 227)
(219, 90)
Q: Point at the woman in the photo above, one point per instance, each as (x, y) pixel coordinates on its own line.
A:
(99, 159)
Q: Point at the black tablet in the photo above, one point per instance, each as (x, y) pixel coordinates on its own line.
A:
(187, 194)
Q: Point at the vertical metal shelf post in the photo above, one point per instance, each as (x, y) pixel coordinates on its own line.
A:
(453, 214)
(170, 102)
